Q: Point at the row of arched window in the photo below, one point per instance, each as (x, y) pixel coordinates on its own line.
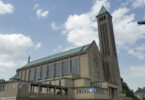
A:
(54, 70)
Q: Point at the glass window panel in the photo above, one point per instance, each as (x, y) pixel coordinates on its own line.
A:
(32, 71)
(57, 70)
(74, 66)
(38, 69)
(65, 68)
(50, 71)
(44, 71)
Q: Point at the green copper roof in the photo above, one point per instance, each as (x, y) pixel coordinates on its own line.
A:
(65, 53)
(102, 11)
(15, 77)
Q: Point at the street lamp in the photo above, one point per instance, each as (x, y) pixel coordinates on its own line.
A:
(141, 22)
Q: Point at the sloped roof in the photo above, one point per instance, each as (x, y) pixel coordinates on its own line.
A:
(140, 90)
(55, 56)
(102, 11)
(15, 77)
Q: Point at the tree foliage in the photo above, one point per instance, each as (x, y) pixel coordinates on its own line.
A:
(128, 91)
(2, 81)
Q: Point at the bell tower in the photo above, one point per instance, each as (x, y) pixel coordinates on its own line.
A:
(108, 47)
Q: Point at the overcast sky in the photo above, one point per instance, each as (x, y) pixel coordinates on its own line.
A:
(43, 27)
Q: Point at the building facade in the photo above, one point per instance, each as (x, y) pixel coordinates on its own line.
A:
(81, 73)
(140, 93)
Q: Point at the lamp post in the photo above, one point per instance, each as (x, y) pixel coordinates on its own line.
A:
(141, 22)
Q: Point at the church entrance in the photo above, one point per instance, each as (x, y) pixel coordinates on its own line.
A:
(113, 93)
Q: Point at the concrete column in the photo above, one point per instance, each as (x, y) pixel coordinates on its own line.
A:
(61, 91)
(25, 74)
(53, 69)
(39, 89)
(69, 65)
(79, 73)
(34, 73)
(110, 94)
(47, 71)
(66, 91)
(48, 89)
(54, 91)
(30, 89)
(40, 72)
(61, 68)
(21, 74)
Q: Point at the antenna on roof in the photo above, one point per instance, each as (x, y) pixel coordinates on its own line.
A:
(29, 59)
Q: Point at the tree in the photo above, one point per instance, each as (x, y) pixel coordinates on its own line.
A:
(128, 91)
(2, 81)
(143, 98)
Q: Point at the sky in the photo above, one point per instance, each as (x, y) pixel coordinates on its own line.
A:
(39, 28)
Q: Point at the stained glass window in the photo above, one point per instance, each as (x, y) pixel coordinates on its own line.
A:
(50, 71)
(74, 66)
(38, 69)
(65, 68)
(57, 70)
(31, 76)
(44, 72)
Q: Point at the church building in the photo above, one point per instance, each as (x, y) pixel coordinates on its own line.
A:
(84, 72)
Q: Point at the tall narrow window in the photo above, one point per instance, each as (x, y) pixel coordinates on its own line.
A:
(59, 82)
(44, 72)
(50, 71)
(57, 70)
(23, 75)
(37, 74)
(107, 42)
(74, 66)
(20, 74)
(31, 75)
(65, 68)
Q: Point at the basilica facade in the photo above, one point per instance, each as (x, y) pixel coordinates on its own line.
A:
(81, 73)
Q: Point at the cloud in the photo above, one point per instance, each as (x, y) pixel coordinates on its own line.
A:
(82, 29)
(134, 76)
(13, 47)
(37, 46)
(8, 67)
(125, 3)
(42, 13)
(14, 44)
(127, 31)
(6, 8)
(83, 25)
(139, 55)
(138, 52)
(36, 6)
(54, 26)
(138, 3)
(58, 49)
(137, 71)
(9, 64)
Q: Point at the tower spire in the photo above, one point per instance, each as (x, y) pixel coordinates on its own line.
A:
(102, 11)
(108, 47)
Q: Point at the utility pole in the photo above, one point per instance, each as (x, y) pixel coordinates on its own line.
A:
(141, 22)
